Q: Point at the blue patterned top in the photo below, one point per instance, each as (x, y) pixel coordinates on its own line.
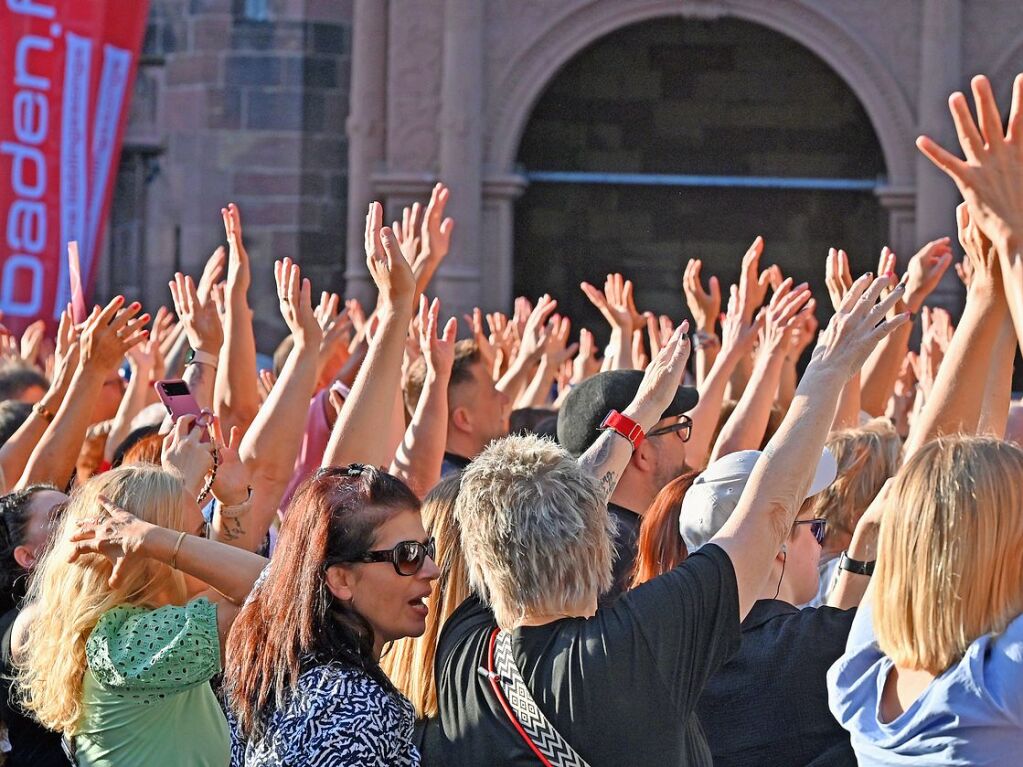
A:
(335, 717)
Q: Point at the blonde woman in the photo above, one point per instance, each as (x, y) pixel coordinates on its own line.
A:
(934, 676)
(409, 663)
(118, 647)
(866, 457)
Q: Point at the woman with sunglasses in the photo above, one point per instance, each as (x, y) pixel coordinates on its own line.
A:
(350, 574)
(768, 704)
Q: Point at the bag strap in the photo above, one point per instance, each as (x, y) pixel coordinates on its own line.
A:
(526, 717)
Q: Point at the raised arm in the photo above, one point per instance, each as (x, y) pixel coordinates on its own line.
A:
(205, 335)
(923, 273)
(991, 179)
(705, 306)
(142, 361)
(237, 394)
(614, 304)
(556, 351)
(16, 451)
(954, 403)
(356, 434)
(748, 422)
(124, 539)
(531, 346)
(737, 341)
(764, 515)
(421, 453)
(108, 334)
(608, 457)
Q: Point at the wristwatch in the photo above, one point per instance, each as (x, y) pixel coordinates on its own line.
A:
(851, 565)
(201, 357)
(625, 426)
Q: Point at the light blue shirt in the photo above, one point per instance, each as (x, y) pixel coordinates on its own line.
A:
(970, 715)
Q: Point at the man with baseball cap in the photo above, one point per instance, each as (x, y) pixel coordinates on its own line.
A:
(769, 703)
(658, 459)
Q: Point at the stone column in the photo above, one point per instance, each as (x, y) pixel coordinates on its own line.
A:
(461, 151)
(900, 204)
(940, 75)
(366, 124)
(497, 259)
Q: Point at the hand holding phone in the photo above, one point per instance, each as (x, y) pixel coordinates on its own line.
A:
(178, 400)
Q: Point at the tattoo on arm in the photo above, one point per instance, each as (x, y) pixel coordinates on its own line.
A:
(607, 484)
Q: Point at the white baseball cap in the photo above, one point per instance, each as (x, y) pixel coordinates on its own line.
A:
(713, 496)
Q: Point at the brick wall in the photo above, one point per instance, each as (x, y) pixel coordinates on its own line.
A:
(692, 97)
(244, 101)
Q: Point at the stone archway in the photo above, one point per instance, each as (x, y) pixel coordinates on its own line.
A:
(527, 75)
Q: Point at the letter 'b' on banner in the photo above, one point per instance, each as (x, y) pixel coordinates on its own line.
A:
(67, 68)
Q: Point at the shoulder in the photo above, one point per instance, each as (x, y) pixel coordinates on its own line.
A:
(342, 692)
(19, 628)
(470, 620)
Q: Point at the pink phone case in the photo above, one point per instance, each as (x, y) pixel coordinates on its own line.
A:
(178, 400)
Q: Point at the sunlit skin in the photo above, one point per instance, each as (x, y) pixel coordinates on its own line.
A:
(393, 604)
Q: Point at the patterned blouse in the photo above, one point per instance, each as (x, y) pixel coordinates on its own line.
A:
(335, 717)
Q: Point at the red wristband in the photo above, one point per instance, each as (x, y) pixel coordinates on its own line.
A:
(625, 426)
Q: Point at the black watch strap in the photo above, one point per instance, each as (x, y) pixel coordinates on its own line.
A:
(856, 566)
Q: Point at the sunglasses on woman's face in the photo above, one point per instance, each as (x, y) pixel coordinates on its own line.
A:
(407, 557)
(817, 528)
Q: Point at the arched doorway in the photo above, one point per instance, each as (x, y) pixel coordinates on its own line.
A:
(648, 146)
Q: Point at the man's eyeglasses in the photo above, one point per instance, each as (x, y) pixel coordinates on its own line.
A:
(684, 429)
(407, 557)
(817, 528)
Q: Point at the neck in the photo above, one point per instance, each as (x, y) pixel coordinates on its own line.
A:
(770, 589)
(462, 444)
(632, 494)
(584, 610)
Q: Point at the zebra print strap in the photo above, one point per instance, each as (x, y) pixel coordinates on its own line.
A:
(532, 724)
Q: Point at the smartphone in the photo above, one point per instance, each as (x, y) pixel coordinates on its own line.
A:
(178, 400)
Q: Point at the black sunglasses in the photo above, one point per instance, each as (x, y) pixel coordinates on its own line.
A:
(407, 557)
(817, 528)
(685, 425)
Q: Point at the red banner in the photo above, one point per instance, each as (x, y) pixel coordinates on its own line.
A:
(67, 68)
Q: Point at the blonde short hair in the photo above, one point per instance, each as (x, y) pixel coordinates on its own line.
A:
(71, 598)
(535, 529)
(949, 566)
(866, 457)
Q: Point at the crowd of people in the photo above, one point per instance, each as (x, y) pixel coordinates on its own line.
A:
(396, 547)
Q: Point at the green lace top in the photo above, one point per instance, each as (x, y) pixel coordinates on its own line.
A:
(146, 693)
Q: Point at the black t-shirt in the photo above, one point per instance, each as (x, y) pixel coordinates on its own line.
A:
(769, 703)
(621, 687)
(626, 541)
(32, 745)
(453, 463)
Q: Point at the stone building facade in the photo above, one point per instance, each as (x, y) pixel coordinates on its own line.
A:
(303, 111)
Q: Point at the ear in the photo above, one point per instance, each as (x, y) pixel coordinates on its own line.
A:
(643, 457)
(25, 557)
(461, 418)
(340, 581)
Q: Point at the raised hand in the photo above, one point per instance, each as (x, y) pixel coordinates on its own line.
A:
(201, 321)
(483, 343)
(781, 317)
(585, 363)
(294, 295)
(753, 283)
(233, 480)
(438, 349)
(213, 270)
(184, 454)
(738, 336)
(110, 332)
(32, 340)
(615, 302)
(390, 271)
(435, 233)
(805, 331)
(557, 350)
(981, 259)
(704, 305)
(857, 327)
(925, 270)
(990, 178)
(113, 533)
(238, 272)
(534, 334)
(838, 276)
(407, 232)
(663, 375)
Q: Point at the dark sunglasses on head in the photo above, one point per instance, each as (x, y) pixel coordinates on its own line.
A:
(407, 557)
(684, 427)
(817, 528)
